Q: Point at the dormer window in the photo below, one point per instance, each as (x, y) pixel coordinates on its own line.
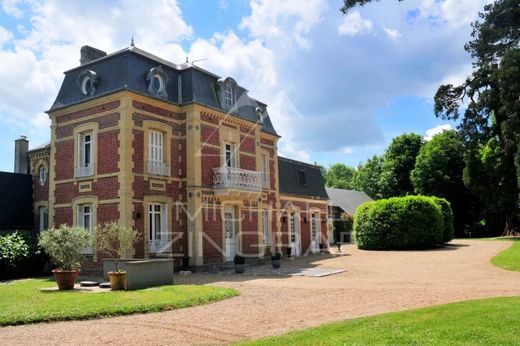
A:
(303, 177)
(228, 97)
(227, 91)
(157, 80)
(88, 82)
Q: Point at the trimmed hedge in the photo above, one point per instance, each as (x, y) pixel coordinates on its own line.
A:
(447, 218)
(399, 223)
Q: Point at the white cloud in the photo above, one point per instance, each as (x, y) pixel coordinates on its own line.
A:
(392, 33)
(11, 8)
(347, 150)
(455, 13)
(436, 130)
(273, 19)
(5, 36)
(353, 24)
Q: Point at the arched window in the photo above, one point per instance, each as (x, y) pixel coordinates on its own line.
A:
(42, 173)
(228, 96)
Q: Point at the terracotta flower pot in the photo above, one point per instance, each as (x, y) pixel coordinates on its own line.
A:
(65, 278)
(117, 280)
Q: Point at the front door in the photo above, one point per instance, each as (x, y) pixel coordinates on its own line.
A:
(315, 233)
(230, 232)
(294, 223)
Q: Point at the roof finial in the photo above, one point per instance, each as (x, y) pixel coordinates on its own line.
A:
(187, 61)
(132, 41)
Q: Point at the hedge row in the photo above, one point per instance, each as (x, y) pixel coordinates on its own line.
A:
(400, 223)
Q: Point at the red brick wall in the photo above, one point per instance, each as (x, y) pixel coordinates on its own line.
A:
(212, 235)
(248, 162)
(209, 134)
(107, 148)
(89, 111)
(210, 158)
(250, 240)
(247, 144)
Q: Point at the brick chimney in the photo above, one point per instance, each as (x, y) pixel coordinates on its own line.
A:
(21, 160)
(89, 54)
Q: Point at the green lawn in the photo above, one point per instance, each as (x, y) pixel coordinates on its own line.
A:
(22, 301)
(509, 259)
(480, 322)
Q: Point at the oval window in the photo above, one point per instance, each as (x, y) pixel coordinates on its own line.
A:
(86, 85)
(157, 83)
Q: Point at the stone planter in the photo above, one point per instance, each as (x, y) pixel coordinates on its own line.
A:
(239, 268)
(142, 273)
(276, 263)
(65, 278)
(117, 280)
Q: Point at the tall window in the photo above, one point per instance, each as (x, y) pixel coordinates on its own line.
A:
(228, 96)
(265, 225)
(43, 218)
(314, 227)
(230, 155)
(85, 154)
(157, 226)
(85, 220)
(156, 160)
(155, 147)
(42, 174)
(292, 226)
(265, 171)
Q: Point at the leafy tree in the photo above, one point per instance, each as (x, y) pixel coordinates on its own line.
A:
(367, 176)
(339, 176)
(490, 123)
(399, 161)
(438, 172)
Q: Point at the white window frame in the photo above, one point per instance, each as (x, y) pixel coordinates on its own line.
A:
(82, 216)
(266, 228)
(42, 217)
(228, 96)
(157, 234)
(265, 171)
(230, 155)
(42, 174)
(85, 162)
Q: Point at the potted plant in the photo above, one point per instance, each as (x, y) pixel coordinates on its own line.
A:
(64, 245)
(239, 264)
(276, 260)
(117, 241)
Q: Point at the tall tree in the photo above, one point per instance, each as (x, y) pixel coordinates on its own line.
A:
(492, 96)
(339, 176)
(399, 161)
(438, 172)
(367, 176)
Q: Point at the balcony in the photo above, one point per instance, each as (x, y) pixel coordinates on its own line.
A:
(84, 171)
(236, 181)
(159, 246)
(157, 168)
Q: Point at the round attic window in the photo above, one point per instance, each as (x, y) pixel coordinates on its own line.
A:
(86, 85)
(157, 83)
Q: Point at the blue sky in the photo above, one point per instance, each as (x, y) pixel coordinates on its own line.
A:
(339, 87)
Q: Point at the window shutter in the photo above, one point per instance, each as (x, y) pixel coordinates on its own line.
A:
(81, 152)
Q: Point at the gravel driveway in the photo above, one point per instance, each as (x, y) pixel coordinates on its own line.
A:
(375, 282)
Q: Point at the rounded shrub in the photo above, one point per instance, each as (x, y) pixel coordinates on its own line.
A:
(399, 223)
(447, 218)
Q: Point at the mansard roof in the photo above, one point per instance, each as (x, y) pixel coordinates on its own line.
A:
(127, 69)
(300, 179)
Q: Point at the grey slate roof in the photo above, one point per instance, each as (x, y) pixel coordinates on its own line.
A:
(348, 200)
(16, 201)
(127, 69)
(43, 146)
(289, 175)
